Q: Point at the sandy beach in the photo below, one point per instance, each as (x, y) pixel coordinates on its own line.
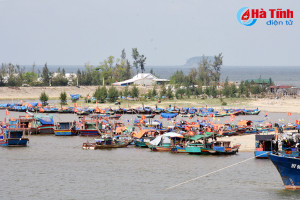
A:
(284, 104)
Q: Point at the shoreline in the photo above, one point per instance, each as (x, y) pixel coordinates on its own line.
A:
(284, 104)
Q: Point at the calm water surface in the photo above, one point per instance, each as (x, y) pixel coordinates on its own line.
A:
(57, 168)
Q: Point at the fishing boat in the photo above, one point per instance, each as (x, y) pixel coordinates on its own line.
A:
(289, 170)
(164, 142)
(264, 145)
(168, 115)
(146, 116)
(11, 137)
(90, 127)
(105, 143)
(202, 146)
(65, 129)
(251, 112)
(45, 124)
(143, 137)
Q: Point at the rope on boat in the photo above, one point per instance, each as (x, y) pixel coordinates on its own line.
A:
(213, 172)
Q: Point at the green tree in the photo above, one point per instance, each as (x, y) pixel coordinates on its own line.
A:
(113, 94)
(163, 91)
(149, 94)
(46, 75)
(207, 91)
(188, 92)
(126, 92)
(255, 89)
(142, 60)
(233, 90)
(226, 89)
(214, 91)
(63, 98)
(170, 93)
(154, 92)
(135, 92)
(242, 88)
(44, 98)
(135, 56)
(101, 94)
(216, 66)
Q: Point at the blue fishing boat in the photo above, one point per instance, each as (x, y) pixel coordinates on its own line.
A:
(65, 129)
(10, 137)
(168, 115)
(264, 145)
(45, 124)
(289, 170)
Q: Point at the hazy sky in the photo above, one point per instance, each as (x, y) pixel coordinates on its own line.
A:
(167, 32)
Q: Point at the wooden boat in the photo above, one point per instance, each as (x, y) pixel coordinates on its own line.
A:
(164, 142)
(178, 149)
(89, 127)
(105, 143)
(65, 129)
(251, 112)
(146, 116)
(45, 124)
(11, 137)
(212, 148)
(143, 137)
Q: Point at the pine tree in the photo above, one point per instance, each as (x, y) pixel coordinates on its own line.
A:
(135, 92)
(63, 98)
(163, 91)
(44, 98)
(170, 93)
(113, 94)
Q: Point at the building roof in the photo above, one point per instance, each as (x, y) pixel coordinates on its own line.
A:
(140, 76)
(281, 86)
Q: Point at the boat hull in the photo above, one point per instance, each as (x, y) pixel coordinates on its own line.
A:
(262, 154)
(89, 133)
(65, 132)
(14, 142)
(289, 170)
(140, 144)
(46, 129)
(208, 151)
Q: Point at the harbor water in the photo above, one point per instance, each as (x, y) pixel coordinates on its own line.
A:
(54, 167)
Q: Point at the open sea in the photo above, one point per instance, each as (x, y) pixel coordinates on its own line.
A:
(53, 167)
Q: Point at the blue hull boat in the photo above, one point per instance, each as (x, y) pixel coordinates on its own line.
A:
(13, 138)
(289, 170)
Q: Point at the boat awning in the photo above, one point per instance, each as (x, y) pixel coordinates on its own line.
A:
(244, 123)
(173, 134)
(142, 132)
(120, 129)
(198, 137)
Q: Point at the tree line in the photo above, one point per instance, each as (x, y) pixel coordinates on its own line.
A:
(107, 72)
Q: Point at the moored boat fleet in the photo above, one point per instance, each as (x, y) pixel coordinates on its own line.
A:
(193, 136)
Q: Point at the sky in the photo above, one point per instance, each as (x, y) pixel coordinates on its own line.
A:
(167, 32)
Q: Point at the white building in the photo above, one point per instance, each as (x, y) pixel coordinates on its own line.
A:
(144, 79)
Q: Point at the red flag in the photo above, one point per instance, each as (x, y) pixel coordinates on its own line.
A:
(289, 114)
(7, 113)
